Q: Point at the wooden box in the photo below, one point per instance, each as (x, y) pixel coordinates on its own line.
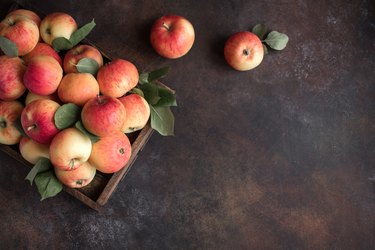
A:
(97, 193)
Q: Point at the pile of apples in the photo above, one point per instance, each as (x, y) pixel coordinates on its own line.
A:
(39, 83)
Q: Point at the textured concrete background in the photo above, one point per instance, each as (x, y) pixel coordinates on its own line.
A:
(275, 158)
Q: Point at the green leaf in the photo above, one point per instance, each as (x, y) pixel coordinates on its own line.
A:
(277, 40)
(137, 91)
(48, 185)
(151, 92)
(17, 123)
(61, 43)
(66, 115)
(162, 120)
(260, 30)
(87, 65)
(143, 78)
(158, 74)
(41, 166)
(92, 137)
(82, 32)
(167, 97)
(8, 47)
(265, 49)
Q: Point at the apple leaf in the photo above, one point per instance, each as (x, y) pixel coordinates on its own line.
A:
(67, 115)
(277, 40)
(8, 47)
(167, 97)
(82, 32)
(150, 92)
(47, 183)
(137, 91)
(42, 165)
(61, 43)
(87, 65)
(148, 77)
(93, 138)
(260, 30)
(162, 120)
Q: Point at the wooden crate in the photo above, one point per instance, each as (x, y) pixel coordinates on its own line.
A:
(97, 193)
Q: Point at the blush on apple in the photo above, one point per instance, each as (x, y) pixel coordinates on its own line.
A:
(74, 55)
(11, 78)
(78, 177)
(43, 75)
(116, 78)
(31, 15)
(137, 112)
(172, 36)
(78, 88)
(103, 115)
(111, 153)
(69, 149)
(243, 51)
(42, 49)
(9, 112)
(38, 122)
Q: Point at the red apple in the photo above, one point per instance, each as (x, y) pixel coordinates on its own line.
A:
(111, 153)
(116, 78)
(32, 96)
(243, 51)
(78, 177)
(37, 120)
(103, 115)
(69, 149)
(137, 112)
(22, 31)
(9, 113)
(43, 75)
(42, 49)
(57, 24)
(172, 36)
(11, 78)
(78, 88)
(31, 15)
(79, 52)
(32, 151)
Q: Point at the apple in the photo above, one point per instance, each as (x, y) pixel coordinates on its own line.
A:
(111, 153)
(30, 96)
(79, 52)
(243, 51)
(43, 75)
(31, 15)
(42, 49)
(10, 111)
(37, 120)
(137, 112)
(172, 36)
(11, 78)
(57, 24)
(69, 149)
(116, 78)
(103, 115)
(33, 151)
(78, 88)
(22, 31)
(78, 177)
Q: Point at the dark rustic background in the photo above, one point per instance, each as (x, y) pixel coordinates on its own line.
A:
(279, 157)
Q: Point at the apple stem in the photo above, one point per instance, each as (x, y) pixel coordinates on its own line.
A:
(165, 26)
(246, 52)
(79, 182)
(3, 124)
(122, 151)
(31, 127)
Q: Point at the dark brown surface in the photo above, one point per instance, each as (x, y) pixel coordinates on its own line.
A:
(279, 157)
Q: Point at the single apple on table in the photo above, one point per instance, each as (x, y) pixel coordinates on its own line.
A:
(30, 96)
(117, 77)
(12, 71)
(243, 51)
(103, 115)
(137, 112)
(42, 49)
(78, 177)
(57, 24)
(43, 75)
(75, 54)
(78, 88)
(111, 153)
(33, 151)
(38, 122)
(69, 149)
(172, 36)
(10, 111)
(31, 15)
(22, 31)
